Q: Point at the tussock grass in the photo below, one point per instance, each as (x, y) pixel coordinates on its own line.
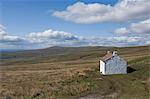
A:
(75, 76)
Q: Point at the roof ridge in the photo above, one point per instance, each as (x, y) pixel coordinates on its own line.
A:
(107, 56)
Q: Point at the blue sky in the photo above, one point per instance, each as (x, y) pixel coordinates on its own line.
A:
(20, 18)
(24, 16)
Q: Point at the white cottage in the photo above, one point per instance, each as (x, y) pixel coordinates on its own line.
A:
(111, 63)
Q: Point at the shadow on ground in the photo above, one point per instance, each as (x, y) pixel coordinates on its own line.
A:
(130, 70)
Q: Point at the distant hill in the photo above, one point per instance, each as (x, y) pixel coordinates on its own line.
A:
(57, 53)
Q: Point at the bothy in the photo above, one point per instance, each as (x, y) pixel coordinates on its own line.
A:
(112, 63)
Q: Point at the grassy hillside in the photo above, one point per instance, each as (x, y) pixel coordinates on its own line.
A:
(73, 73)
(54, 54)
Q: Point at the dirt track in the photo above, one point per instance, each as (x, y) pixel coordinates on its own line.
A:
(113, 94)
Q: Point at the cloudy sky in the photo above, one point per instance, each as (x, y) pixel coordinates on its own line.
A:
(32, 24)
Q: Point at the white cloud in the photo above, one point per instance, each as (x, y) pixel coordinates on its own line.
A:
(38, 39)
(51, 35)
(117, 41)
(142, 27)
(11, 42)
(5, 37)
(121, 31)
(126, 39)
(124, 10)
(2, 31)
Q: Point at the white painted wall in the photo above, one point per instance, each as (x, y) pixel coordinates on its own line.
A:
(116, 65)
(102, 67)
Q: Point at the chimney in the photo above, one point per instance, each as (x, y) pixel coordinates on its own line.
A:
(108, 52)
(114, 53)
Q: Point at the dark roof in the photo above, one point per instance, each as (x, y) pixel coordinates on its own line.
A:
(107, 57)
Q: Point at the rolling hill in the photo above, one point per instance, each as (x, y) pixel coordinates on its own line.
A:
(73, 73)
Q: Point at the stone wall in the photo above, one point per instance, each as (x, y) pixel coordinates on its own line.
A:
(116, 65)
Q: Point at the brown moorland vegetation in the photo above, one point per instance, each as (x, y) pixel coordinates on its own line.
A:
(73, 73)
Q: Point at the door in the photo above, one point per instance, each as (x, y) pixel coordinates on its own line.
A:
(102, 67)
